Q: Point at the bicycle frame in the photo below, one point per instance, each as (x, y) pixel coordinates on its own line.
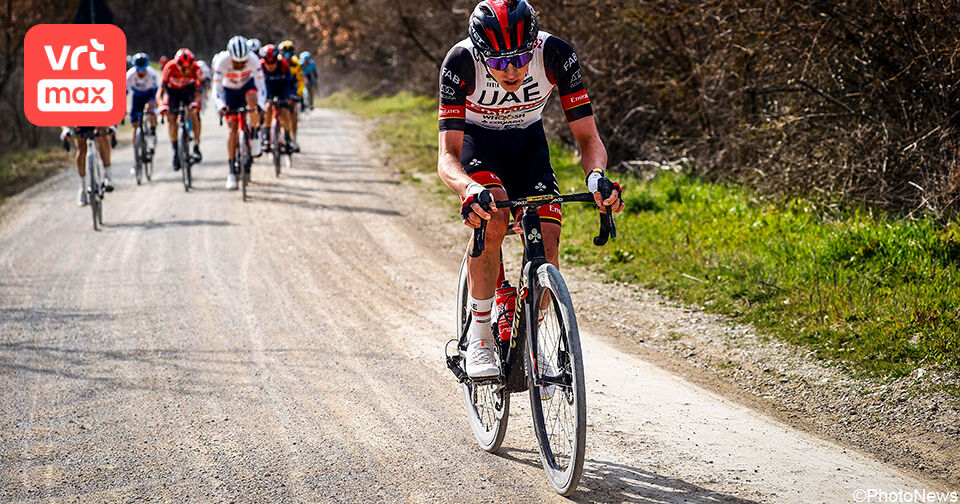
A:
(527, 311)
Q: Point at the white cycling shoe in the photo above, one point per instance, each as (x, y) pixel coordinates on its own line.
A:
(231, 181)
(82, 196)
(481, 360)
(107, 181)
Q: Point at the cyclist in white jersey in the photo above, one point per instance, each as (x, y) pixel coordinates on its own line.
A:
(493, 88)
(238, 80)
(142, 84)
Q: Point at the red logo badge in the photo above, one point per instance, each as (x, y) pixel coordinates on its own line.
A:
(74, 74)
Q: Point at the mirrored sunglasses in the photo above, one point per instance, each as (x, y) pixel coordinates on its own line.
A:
(517, 61)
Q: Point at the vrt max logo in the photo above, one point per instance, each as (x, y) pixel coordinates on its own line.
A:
(74, 75)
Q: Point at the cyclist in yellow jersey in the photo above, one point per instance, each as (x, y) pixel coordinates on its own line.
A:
(289, 55)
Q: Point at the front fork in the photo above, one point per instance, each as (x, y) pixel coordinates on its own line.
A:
(534, 257)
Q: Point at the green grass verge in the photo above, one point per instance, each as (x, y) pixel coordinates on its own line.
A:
(879, 295)
(20, 170)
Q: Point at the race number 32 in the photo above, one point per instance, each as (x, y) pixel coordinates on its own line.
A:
(74, 74)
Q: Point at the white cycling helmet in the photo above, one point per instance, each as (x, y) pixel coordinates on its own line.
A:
(237, 47)
(254, 45)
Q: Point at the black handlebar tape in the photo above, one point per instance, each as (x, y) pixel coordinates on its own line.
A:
(484, 199)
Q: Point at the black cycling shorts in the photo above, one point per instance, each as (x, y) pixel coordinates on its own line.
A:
(177, 97)
(516, 159)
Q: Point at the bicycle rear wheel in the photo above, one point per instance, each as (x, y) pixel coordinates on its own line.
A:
(487, 406)
(557, 390)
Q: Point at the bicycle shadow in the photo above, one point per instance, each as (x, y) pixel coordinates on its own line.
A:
(604, 481)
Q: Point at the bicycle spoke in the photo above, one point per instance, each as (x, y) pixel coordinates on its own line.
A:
(558, 418)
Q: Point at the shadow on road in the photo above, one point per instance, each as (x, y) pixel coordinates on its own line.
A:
(612, 482)
(152, 224)
(309, 205)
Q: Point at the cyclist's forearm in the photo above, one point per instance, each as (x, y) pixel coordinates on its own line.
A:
(593, 155)
(453, 174)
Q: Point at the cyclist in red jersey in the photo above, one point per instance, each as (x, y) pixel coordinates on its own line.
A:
(493, 88)
(181, 84)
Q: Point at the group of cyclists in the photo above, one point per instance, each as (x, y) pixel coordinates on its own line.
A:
(494, 85)
(271, 78)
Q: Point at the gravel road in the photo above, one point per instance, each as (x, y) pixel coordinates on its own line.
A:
(289, 349)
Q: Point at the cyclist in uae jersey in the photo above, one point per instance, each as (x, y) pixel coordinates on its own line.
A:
(181, 85)
(238, 81)
(493, 88)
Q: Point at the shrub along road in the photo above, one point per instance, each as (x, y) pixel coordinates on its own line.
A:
(289, 349)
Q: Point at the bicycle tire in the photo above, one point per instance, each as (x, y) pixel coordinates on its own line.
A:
(139, 152)
(558, 346)
(488, 420)
(275, 147)
(93, 196)
(149, 165)
(244, 163)
(183, 151)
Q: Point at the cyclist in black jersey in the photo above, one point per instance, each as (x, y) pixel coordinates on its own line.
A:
(280, 83)
(493, 88)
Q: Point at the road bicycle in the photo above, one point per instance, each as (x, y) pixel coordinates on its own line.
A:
(280, 137)
(244, 159)
(184, 139)
(144, 143)
(541, 355)
(95, 187)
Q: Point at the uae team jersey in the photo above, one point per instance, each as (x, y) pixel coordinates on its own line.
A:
(146, 85)
(469, 94)
(225, 76)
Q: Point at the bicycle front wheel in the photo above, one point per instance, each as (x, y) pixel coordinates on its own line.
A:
(245, 162)
(93, 194)
(183, 151)
(275, 144)
(487, 406)
(139, 153)
(557, 391)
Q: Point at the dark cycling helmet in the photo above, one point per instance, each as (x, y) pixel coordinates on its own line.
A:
(184, 57)
(141, 61)
(501, 28)
(270, 53)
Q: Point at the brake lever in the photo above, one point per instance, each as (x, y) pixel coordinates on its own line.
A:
(479, 239)
(608, 228)
(484, 199)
